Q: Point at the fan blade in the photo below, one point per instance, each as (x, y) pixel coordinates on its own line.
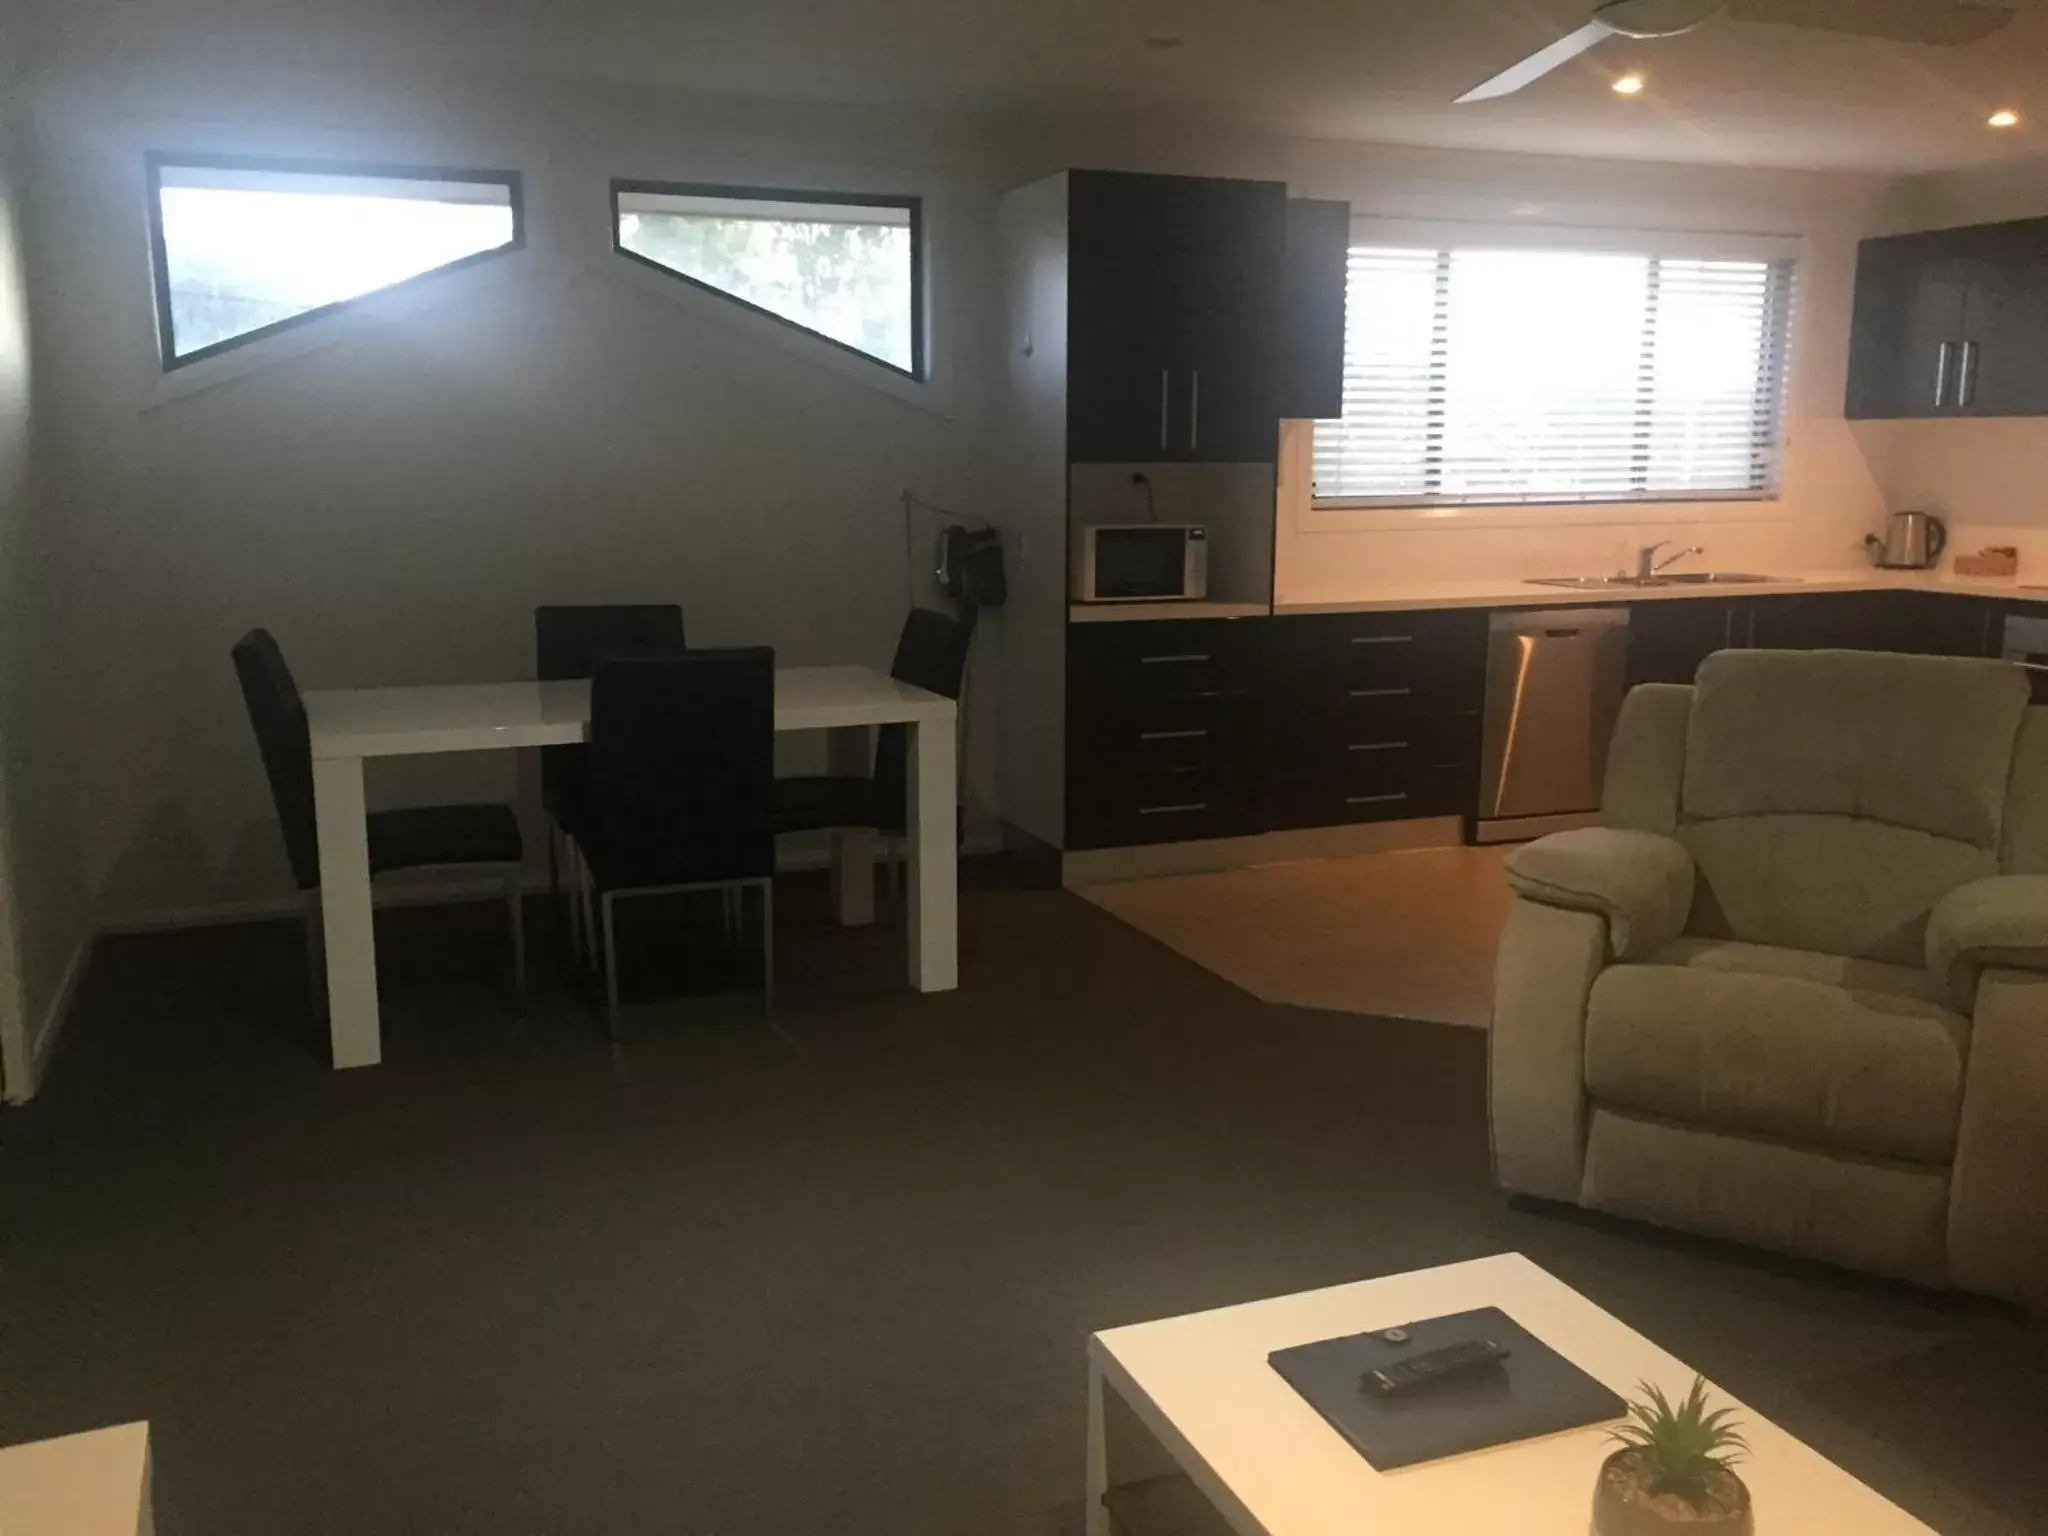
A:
(1942, 23)
(1539, 64)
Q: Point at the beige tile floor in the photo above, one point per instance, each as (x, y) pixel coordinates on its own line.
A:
(1408, 935)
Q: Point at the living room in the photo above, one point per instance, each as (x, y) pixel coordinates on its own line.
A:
(1109, 1055)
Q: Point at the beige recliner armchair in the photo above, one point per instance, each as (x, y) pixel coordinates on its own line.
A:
(1794, 990)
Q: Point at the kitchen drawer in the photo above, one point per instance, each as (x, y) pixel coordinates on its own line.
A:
(1439, 657)
(1430, 769)
(1163, 792)
(1166, 658)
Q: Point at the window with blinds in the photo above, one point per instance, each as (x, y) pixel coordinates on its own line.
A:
(1474, 376)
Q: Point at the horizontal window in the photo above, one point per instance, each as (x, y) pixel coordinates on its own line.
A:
(847, 267)
(1504, 376)
(244, 248)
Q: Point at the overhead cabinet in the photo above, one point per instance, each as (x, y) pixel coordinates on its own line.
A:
(1175, 287)
(1952, 322)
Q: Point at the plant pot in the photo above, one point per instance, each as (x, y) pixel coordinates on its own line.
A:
(1623, 1504)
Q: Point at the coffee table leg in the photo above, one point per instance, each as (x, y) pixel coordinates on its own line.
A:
(1098, 1456)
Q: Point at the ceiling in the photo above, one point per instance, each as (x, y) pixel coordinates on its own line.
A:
(1366, 70)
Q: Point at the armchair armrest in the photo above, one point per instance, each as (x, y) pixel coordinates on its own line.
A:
(1999, 921)
(1641, 882)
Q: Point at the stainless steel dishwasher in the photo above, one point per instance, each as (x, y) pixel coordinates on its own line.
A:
(1554, 680)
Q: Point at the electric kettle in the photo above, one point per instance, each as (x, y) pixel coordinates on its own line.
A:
(1913, 541)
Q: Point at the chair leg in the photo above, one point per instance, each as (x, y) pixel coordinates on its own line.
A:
(316, 951)
(583, 899)
(515, 914)
(611, 968)
(767, 946)
(555, 877)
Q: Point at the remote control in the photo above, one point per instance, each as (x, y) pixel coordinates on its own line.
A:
(1454, 1362)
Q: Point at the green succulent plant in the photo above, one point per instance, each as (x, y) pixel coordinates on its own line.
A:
(1680, 1447)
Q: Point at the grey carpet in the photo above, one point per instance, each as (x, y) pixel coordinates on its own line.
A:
(723, 1280)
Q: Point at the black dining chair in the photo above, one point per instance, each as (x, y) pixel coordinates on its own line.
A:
(415, 838)
(567, 641)
(682, 788)
(931, 653)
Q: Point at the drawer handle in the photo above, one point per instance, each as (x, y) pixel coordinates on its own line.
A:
(1377, 746)
(1171, 735)
(1381, 639)
(1167, 661)
(1381, 693)
(1373, 799)
(1176, 810)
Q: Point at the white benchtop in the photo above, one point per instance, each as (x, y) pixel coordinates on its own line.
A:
(1511, 592)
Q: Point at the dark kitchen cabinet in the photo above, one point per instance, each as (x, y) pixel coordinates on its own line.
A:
(1174, 318)
(1919, 623)
(1374, 716)
(1163, 731)
(1951, 322)
(1668, 640)
(1312, 315)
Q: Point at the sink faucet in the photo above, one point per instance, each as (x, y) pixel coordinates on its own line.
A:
(1648, 565)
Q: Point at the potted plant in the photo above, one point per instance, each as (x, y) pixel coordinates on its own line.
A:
(1673, 1471)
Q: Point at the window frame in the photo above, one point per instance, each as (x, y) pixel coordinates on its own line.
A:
(920, 369)
(155, 162)
(1786, 255)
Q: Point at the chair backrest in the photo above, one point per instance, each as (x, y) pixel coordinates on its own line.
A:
(682, 767)
(279, 718)
(1830, 798)
(569, 640)
(931, 653)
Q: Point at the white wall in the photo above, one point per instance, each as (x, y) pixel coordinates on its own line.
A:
(43, 924)
(550, 426)
(1989, 479)
(555, 426)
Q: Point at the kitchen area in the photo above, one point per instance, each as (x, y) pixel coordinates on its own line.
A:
(1229, 671)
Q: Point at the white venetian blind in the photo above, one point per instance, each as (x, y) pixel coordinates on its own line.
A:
(1542, 375)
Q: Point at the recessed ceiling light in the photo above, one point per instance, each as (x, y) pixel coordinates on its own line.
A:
(1629, 85)
(2004, 118)
(1163, 44)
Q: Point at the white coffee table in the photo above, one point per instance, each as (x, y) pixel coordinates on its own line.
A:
(1193, 1398)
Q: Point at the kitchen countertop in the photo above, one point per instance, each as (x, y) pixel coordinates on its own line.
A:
(1513, 592)
(1509, 592)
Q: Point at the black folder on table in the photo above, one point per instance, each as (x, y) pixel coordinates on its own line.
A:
(1535, 1391)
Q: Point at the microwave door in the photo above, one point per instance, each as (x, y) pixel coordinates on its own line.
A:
(1135, 564)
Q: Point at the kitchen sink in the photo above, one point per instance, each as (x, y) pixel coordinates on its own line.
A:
(1666, 579)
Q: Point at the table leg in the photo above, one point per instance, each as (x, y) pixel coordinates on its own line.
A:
(934, 859)
(848, 754)
(345, 911)
(1098, 1456)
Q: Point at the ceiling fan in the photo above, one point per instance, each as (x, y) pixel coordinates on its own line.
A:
(1943, 23)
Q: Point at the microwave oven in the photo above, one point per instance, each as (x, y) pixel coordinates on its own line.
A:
(1141, 562)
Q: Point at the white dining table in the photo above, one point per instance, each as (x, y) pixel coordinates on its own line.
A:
(350, 726)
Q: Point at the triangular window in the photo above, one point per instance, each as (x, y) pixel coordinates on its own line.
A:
(845, 266)
(244, 248)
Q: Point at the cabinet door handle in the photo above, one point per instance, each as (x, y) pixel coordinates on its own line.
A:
(1373, 799)
(1171, 735)
(1966, 377)
(1166, 661)
(1173, 810)
(1377, 746)
(1381, 693)
(1942, 354)
(1381, 639)
(1166, 375)
(1194, 410)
